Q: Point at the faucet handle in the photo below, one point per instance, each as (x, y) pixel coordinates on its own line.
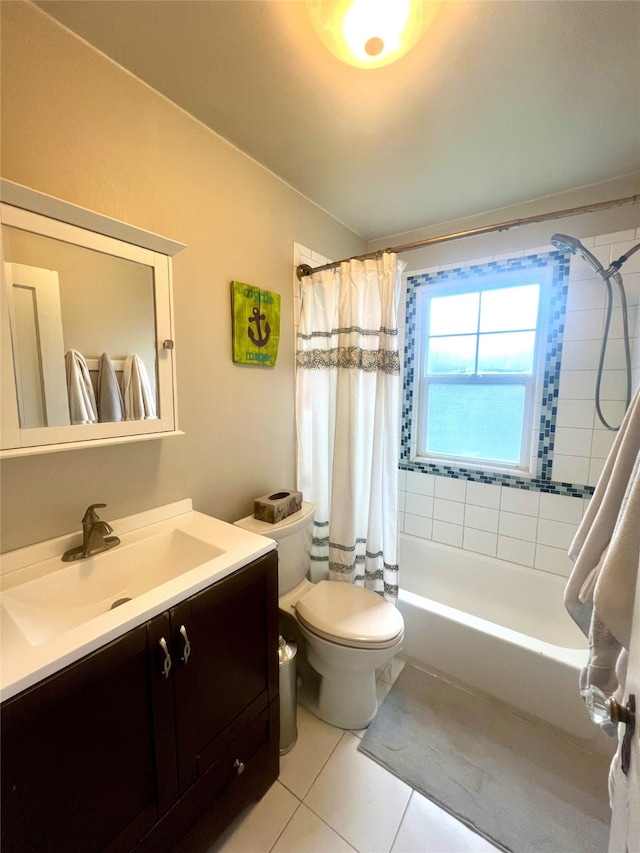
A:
(91, 516)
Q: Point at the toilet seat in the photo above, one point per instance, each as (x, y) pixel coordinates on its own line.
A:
(350, 616)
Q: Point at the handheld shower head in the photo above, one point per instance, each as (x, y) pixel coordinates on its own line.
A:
(566, 243)
(573, 245)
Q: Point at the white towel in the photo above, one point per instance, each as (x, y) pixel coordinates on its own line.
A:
(110, 403)
(600, 592)
(82, 400)
(139, 403)
(616, 583)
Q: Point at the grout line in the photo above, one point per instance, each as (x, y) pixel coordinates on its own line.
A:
(346, 840)
(315, 779)
(339, 741)
(295, 811)
(293, 793)
(404, 814)
(344, 733)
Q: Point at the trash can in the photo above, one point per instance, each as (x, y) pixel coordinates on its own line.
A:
(288, 689)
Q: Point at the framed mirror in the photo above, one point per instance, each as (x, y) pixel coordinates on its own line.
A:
(87, 327)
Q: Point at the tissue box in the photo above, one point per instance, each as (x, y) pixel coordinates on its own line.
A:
(276, 506)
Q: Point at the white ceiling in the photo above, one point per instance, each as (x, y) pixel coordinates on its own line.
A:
(500, 102)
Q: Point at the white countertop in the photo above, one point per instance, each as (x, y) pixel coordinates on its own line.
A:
(23, 663)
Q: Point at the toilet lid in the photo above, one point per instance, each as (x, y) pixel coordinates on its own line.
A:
(349, 613)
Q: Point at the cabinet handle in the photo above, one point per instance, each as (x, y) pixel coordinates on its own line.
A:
(166, 663)
(239, 765)
(186, 648)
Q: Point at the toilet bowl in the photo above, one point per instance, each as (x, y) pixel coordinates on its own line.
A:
(349, 632)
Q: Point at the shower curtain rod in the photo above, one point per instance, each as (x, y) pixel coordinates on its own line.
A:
(305, 269)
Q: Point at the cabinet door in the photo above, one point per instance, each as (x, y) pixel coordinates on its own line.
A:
(78, 763)
(231, 673)
(130, 274)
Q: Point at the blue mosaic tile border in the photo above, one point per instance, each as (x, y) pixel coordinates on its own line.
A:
(557, 263)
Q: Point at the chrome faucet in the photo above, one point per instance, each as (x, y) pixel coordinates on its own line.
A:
(95, 538)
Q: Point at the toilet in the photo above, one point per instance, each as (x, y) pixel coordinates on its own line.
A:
(349, 632)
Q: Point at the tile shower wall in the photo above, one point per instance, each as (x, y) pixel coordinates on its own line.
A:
(534, 528)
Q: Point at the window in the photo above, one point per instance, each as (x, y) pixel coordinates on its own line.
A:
(479, 366)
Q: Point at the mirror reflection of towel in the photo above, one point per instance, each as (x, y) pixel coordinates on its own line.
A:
(110, 403)
(139, 403)
(82, 401)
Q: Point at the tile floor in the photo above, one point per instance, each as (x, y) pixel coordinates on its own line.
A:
(330, 798)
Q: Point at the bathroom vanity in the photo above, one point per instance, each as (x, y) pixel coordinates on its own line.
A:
(126, 746)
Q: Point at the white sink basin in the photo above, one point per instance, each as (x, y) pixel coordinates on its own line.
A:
(54, 612)
(69, 594)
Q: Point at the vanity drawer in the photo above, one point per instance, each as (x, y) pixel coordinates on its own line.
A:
(229, 791)
(222, 792)
(235, 761)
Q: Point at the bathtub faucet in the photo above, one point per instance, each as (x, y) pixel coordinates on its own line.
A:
(95, 538)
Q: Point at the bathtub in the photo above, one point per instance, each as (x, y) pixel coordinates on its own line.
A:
(496, 626)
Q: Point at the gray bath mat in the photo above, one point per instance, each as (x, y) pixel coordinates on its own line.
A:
(518, 784)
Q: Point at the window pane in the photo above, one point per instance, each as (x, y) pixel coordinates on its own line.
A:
(454, 315)
(509, 352)
(509, 308)
(452, 355)
(476, 421)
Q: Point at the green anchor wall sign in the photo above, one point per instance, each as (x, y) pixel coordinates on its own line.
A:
(256, 324)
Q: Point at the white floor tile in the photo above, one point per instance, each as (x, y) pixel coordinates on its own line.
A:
(316, 741)
(426, 828)
(358, 798)
(258, 827)
(306, 833)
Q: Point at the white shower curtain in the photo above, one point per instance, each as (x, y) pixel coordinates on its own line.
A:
(347, 397)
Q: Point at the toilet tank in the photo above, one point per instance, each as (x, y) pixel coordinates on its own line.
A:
(294, 535)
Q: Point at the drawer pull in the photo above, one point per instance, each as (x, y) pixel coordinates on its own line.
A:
(239, 765)
(186, 648)
(166, 661)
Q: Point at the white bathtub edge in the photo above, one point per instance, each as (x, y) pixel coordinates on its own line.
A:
(572, 657)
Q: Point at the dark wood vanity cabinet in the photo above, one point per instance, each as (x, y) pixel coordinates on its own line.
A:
(126, 748)
(78, 754)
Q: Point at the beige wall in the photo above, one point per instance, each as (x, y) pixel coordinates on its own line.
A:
(76, 126)
(523, 237)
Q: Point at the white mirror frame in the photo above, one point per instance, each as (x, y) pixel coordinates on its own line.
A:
(33, 211)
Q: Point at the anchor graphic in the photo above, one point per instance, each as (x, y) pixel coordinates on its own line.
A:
(261, 339)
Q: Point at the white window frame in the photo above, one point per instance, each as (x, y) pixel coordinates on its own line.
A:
(533, 382)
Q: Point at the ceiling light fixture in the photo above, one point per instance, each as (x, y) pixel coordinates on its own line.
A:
(370, 33)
